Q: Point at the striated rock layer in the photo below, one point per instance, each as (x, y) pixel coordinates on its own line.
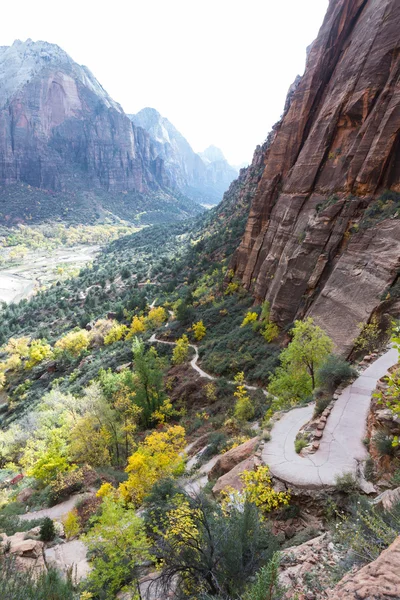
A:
(321, 240)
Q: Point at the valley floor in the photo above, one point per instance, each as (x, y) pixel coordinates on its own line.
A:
(39, 268)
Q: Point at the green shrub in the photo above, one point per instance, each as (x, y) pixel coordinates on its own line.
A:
(369, 471)
(300, 443)
(266, 585)
(334, 372)
(346, 483)
(47, 530)
(216, 442)
(395, 480)
(384, 444)
(24, 585)
(367, 530)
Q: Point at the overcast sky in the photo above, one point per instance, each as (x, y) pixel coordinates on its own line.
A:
(218, 69)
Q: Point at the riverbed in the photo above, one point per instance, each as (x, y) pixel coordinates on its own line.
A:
(38, 268)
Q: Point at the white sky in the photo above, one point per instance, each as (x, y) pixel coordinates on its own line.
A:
(218, 69)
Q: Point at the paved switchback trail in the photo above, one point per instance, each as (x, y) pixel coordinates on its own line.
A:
(341, 448)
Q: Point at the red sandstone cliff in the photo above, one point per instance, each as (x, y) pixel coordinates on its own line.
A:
(317, 241)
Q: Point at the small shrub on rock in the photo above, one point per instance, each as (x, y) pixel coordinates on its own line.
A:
(346, 483)
(384, 444)
(322, 401)
(47, 530)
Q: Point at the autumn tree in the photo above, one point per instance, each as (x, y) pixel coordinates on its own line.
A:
(38, 351)
(199, 330)
(181, 350)
(116, 333)
(157, 316)
(159, 456)
(137, 327)
(74, 342)
(244, 410)
(207, 552)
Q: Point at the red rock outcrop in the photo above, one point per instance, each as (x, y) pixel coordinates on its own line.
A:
(317, 242)
(380, 580)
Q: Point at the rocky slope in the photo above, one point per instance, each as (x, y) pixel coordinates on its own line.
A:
(60, 131)
(323, 236)
(202, 177)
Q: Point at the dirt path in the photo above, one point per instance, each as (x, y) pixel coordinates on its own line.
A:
(55, 512)
(341, 449)
(195, 366)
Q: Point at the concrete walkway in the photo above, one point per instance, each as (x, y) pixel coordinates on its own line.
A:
(341, 449)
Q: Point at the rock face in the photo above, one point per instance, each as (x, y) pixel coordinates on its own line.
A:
(317, 241)
(203, 177)
(379, 580)
(61, 132)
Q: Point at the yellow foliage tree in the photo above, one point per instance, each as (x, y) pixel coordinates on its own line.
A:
(259, 491)
(38, 351)
(157, 316)
(18, 347)
(199, 330)
(89, 443)
(138, 325)
(106, 489)
(244, 410)
(116, 333)
(71, 524)
(250, 317)
(74, 342)
(181, 350)
(157, 457)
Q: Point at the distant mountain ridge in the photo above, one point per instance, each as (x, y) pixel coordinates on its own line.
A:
(67, 149)
(203, 177)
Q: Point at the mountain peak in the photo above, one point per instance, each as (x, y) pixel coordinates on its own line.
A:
(212, 154)
(22, 61)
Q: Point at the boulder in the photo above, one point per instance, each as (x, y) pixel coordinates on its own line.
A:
(387, 499)
(230, 459)
(232, 479)
(379, 580)
(69, 555)
(28, 554)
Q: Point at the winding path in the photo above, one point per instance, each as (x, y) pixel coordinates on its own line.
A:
(341, 449)
(195, 366)
(58, 511)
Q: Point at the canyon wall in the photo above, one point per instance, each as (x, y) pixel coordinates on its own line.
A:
(323, 233)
